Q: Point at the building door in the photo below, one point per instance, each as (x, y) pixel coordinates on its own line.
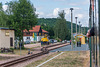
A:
(11, 41)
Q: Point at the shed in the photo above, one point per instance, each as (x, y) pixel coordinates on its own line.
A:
(82, 38)
(6, 38)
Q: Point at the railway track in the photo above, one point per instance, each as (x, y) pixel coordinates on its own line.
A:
(25, 58)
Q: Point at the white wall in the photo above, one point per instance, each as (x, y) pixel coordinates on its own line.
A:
(39, 38)
(25, 38)
(32, 39)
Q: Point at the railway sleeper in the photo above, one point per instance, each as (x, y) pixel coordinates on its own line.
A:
(9, 63)
(21, 59)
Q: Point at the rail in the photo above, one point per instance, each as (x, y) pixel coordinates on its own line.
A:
(25, 58)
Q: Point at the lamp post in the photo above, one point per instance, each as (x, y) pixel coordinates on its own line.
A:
(76, 24)
(79, 27)
(84, 30)
(76, 29)
(71, 27)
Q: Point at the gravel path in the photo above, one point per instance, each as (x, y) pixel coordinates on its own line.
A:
(9, 55)
(32, 45)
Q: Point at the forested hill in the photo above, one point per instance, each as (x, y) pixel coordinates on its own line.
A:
(52, 21)
(48, 21)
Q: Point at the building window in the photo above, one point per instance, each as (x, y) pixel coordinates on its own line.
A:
(28, 37)
(39, 34)
(43, 33)
(7, 33)
(28, 33)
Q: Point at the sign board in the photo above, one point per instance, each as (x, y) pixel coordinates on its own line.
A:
(7, 33)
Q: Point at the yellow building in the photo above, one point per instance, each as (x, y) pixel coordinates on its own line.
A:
(81, 38)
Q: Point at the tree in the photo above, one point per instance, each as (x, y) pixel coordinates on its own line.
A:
(49, 29)
(60, 28)
(22, 16)
(3, 17)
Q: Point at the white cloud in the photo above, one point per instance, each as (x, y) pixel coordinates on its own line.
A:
(5, 7)
(80, 16)
(49, 15)
(55, 12)
(76, 8)
(67, 11)
(40, 14)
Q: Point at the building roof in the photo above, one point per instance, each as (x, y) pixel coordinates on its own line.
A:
(36, 29)
(3, 28)
(44, 31)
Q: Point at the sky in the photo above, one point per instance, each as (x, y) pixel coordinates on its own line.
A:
(50, 9)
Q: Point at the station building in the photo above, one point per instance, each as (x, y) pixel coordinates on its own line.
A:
(35, 34)
(81, 37)
(6, 38)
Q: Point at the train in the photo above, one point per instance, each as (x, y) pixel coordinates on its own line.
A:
(94, 41)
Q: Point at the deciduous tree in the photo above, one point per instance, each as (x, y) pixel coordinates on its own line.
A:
(60, 29)
(21, 16)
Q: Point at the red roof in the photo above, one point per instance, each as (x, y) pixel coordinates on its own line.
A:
(36, 29)
(44, 31)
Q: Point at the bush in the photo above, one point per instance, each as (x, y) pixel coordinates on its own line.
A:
(59, 40)
(12, 49)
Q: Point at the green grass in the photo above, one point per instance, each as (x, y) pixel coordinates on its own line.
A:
(34, 64)
(67, 59)
(17, 52)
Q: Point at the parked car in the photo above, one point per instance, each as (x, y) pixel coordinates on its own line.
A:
(55, 41)
(68, 41)
(52, 40)
(27, 42)
(63, 41)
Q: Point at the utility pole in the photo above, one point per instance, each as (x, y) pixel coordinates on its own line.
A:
(71, 27)
(79, 26)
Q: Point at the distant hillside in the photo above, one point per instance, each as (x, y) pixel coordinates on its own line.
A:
(52, 21)
(48, 21)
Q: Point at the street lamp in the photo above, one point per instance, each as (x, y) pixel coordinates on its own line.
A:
(76, 29)
(71, 27)
(79, 26)
(76, 24)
